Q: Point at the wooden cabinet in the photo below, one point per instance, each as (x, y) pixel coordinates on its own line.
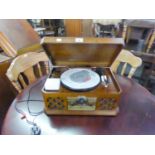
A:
(78, 27)
(73, 27)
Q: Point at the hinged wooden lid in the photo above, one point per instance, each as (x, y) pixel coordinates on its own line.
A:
(73, 51)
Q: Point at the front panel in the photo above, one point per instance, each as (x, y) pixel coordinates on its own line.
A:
(80, 103)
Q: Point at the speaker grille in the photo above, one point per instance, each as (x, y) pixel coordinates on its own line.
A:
(55, 103)
(106, 103)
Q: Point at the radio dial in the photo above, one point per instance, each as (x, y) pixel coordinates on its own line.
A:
(82, 100)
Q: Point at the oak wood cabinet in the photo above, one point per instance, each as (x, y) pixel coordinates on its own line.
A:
(78, 27)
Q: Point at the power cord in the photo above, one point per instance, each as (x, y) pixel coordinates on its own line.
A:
(35, 130)
(28, 100)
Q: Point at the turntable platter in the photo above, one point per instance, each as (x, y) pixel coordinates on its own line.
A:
(80, 79)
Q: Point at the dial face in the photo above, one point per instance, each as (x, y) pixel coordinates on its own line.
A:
(80, 79)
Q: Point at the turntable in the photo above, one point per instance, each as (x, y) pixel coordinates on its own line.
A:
(81, 81)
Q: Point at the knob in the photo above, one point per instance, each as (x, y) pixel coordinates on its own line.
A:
(82, 100)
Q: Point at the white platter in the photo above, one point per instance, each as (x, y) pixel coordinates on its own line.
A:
(80, 79)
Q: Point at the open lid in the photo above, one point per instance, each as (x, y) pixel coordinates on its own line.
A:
(72, 51)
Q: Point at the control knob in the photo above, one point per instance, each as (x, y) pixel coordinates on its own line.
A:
(81, 100)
